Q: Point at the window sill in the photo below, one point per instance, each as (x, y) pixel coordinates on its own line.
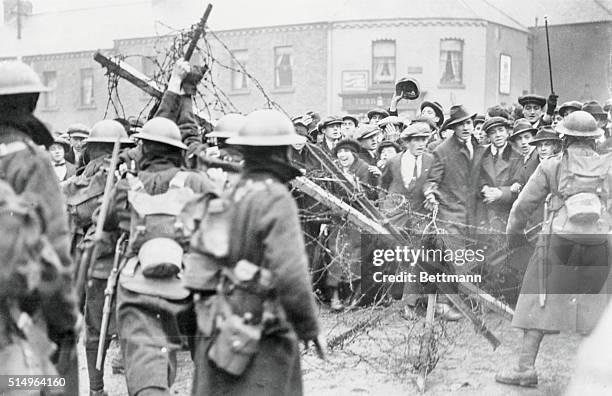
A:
(451, 86)
(49, 109)
(283, 90)
(239, 92)
(89, 107)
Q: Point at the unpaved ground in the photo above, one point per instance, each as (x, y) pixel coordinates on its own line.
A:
(379, 360)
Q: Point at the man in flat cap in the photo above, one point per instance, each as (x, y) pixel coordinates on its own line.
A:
(375, 115)
(349, 126)
(330, 128)
(533, 108)
(500, 165)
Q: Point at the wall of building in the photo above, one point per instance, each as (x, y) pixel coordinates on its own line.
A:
(309, 66)
(417, 56)
(68, 109)
(581, 61)
(512, 43)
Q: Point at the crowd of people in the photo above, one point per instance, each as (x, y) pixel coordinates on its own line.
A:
(208, 245)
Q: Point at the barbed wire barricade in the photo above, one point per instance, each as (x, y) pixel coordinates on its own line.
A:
(333, 241)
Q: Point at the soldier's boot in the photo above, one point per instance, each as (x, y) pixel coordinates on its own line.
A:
(524, 374)
(96, 377)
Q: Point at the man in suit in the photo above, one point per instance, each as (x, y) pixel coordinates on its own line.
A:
(451, 185)
(330, 128)
(77, 134)
(500, 164)
(367, 136)
(522, 134)
(405, 174)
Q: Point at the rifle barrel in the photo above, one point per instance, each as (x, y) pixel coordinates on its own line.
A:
(552, 90)
(198, 32)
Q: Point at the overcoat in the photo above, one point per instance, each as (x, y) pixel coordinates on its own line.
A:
(266, 231)
(453, 179)
(566, 308)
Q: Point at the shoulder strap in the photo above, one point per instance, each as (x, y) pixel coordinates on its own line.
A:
(178, 181)
(134, 183)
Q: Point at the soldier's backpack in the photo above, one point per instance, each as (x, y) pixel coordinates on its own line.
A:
(580, 204)
(156, 231)
(83, 195)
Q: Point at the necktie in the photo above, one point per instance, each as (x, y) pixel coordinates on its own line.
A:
(59, 164)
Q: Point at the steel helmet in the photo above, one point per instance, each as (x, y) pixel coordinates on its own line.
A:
(161, 130)
(107, 131)
(266, 128)
(580, 123)
(18, 78)
(228, 126)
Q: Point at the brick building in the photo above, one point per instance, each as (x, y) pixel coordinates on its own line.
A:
(306, 55)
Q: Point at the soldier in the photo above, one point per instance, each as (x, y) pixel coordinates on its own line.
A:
(571, 258)
(264, 232)
(154, 312)
(26, 168)
(90, 184)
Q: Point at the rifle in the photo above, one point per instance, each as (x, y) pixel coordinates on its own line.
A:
(109, 293)
(552, 90)
(193, 78)
(91, 251)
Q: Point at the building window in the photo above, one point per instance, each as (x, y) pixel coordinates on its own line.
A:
(451, 61)
(383, 62)
(87, 88)
(50, 97)
(283, 67)
(240, 81)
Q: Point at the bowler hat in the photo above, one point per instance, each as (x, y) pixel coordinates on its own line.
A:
(408, 87)
(521, 125)
(329, 120)
(580, 123)
(383, 113)
(574, 104)
(532, 98)
(350, 117)
(416, 129)
(366, 131)
(545, 133)
(437, 108)
(458, 114)
(493, 122)
(594, 108)
(350, 144)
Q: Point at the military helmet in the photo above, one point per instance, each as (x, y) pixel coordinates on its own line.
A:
(18, 78)
(107, 131)
(580, 123)
(228, 126)
(161, 130)
(267, 128)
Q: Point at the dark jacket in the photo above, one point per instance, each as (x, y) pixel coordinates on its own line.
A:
(501, 174)
(266, 231)
(179, 108)
(365, 181)
(368, 157)
(453, 178)
(393, 182)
